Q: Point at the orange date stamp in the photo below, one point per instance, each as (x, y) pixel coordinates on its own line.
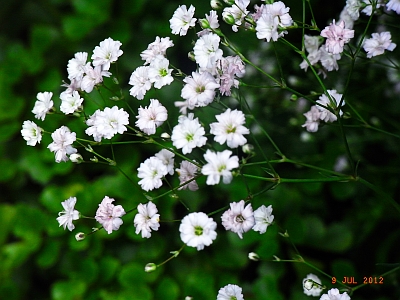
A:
(365, 280)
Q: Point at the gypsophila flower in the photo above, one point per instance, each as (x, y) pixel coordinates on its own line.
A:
(187, 171)
(107, 53)
(368, 8)
(43, 105)
(394, 5)
(211, 22)
(238, 219)
(158, 47)
(206, 50)
(219, 164)
(312, 285)
(378, 44)
(328, 60)
(199, 89)
(334, 294)
(228, 68)
(337, 36)
(93, 77)
(188, 134)
(140, 82)
(76, 66)
(311, 44)
(167, 158)
(69, 214)
(109, 215)
(230, 128)
(31, 133)
(147, 219)
(158, 72)
(198, 230)
(313, 118)
(149, 118)
(325, 114)
(230, 292)
(238, 11)
(61, 145)
(182, 20)
(152, 170)
(70, 102)
(263, 217)
(107, 123)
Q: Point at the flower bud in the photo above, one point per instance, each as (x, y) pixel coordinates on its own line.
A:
(188, 298)
(191, 56)
(76, 158)
(254, 256)
(248, 148)
(165, 135)
(204, 23)
(308, 284)
(229, 2)
(216, 4)
(80, 236)
(228, 18)
(150, 267)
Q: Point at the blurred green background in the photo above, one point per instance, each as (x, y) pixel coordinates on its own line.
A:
(345, 229)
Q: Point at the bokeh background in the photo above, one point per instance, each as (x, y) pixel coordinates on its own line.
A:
(345, 229)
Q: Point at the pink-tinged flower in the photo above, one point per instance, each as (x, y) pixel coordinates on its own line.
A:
(109, 215)
(43, 105)
(107, 53)
(229, 292)
(147, 219)
(158, 47)
(228, 69)
(219, 164)
(325, 114)
(31, 133)
(152, 117)
(368, 6)
(238, 219)
(337, 36)
(378, 44)
(93, 77)
(187, 171)
(182, 20)
(198, 230)
(313, 118)
(140, 82)
(61, 145)
(211, 22)
(69, 214)
(334, 294)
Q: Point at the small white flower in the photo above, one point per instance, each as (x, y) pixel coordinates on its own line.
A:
(263, 217)
(238, 219)
(368, 8)
(70, 102)
(140, 82)
(187, 171)
(313, 118)
(149, 118)
(230, 292)
(238, 11)
(159, 74)
(107, 53)
(230, 128)
(158, 47)
(219, 164)
(69, 214)
(31, 133)
(312, 285)
(182, 20)
(93, 77)
(188, 134)
(378, 44)
(206, 50)
(167, 158)
(211, 22)
(76, 66)
(61, 145)
(43, 105)
(326, 115)
(109, 215)
(152, 170)
(146, 219)
(394, 5)
(198, 230)
(334, 294)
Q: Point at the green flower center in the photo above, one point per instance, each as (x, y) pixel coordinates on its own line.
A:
(198, 230)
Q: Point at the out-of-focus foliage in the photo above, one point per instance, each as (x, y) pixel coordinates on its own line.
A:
(343, 229)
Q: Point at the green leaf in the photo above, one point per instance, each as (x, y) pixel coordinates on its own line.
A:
(68, 290)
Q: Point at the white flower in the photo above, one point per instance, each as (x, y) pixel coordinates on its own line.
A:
(149, 118)
(159, 74)
(182, 20)
(206, 50)
(238, 11)
(326, 115)
(334, 294)
(219, 164)
(106, 53)
(31, 133)
(187, 171)
(76, 66)
(394, 5)
(311, 44)
(199, 89)
(61, 145)
(353, 9)
(238, 219)
(109, 215)
(368, 8)
(211, 22)
(313, 118)
(152, 170)
(263, 217)
(158, 47)
(228, 68)
(328, 60)
(43, 105)
(140, 82)
(167, 158)
(188, 134)
(146, 219)
(337, 36)
(230, 292)
(69, 214)
(107, 123)
(70, 102)
(230, 128)
(92, 77)
(312, 285)
(378, 44)
(198, 230)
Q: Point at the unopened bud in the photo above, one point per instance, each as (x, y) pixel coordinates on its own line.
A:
(188, 298)
(191, 56)
(248, 148)
(204, 23)
(308, 284)
(228, 18)
(80, 236)
(150, 267)
(76, 158)
(165, 135)
(254, 256)
(216, 4)
(229, 2)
